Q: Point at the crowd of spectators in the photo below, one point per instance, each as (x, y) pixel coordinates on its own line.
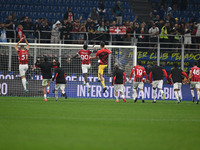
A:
(162, 25)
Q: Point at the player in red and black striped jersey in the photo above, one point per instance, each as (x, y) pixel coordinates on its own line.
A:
(139, 72)
(60, 78)
(85, 63)
(194, 78)
(103, 54)
(23, 61)
(176, 77)
(119, 79)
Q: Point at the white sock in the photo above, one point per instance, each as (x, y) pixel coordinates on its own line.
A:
(122, 95)
(63, 91)
(116, 98)
(176, 95)
(142, 93)
(56, 95)
(161, 91)
(134, 94)
(198, 94)
(154, 95)
(192, 92)
(179, 94)
(24, 83)
(87, 84)
(47, 88)
(45, 96)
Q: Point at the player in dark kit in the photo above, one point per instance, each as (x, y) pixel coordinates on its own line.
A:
(194, 78)
(23, 61)
(157, 75)
(46, 73)
(176, 77)
(103, 54)
(119, 79)
(60, 78)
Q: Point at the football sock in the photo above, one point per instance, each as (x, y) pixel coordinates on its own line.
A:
(103, 84)
(161, 91)
(176, 95)
(63, 92)
(24, 83)
(122, 95)
(56, 95)
(134, 94)
(192, 92)
(47, 88)
(179, 94)
(142, 93)
(116, 98)
(45, 96)
(87, 84)
(198, 94)
(154, 95)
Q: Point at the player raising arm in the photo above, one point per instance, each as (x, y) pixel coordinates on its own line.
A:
(118, 81)
(60, 78)
(46, 73)
(23, 61)
(157, 75)
(85, 63)
(194, 77)
(176, 77)
(103, 54)
(138, 80)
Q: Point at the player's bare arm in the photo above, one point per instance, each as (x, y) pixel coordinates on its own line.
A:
(16, 46)
(190, 76)
(68, 60)
(94, 57)
(27, 45)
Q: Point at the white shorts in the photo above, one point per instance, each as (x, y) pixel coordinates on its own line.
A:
(139, 85)
(157, 84)
(177, 85)
(45, 82)
(60, 86)
(195, 85)
(23, 69)
(188, 40)
(85, 68)
(119, 87)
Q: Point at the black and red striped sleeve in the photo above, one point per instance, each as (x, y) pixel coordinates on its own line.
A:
(124, 77)
(185, 74)
(113, 81)
(150, 77)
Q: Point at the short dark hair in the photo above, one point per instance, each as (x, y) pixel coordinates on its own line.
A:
(102, 44)
(139, 62)
(85, 46)
(21, 46)
(195, 63)
(45, 58)
(176, 65)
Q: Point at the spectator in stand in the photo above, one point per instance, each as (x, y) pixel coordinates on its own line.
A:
(65, 31)
(194, 31)
(129, 31)
(154, 32)
(142, 38)
(3, 32)
(162, 12)
(94, 15)
(91, 30)
(10, 26)
(187, 36)
(164, 35)
(55, 33)
(44, 34)
(27, 25)
(69, 15)
(117, 12)
(101, 9)
(101, 30)
(36, 28)
(88, 23)
(198, 35)
(76, 26)
(170, 19)
(15, 19)
(81, 36)
(175, 38)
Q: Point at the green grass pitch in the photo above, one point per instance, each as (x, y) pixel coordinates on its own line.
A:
(97, 124)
